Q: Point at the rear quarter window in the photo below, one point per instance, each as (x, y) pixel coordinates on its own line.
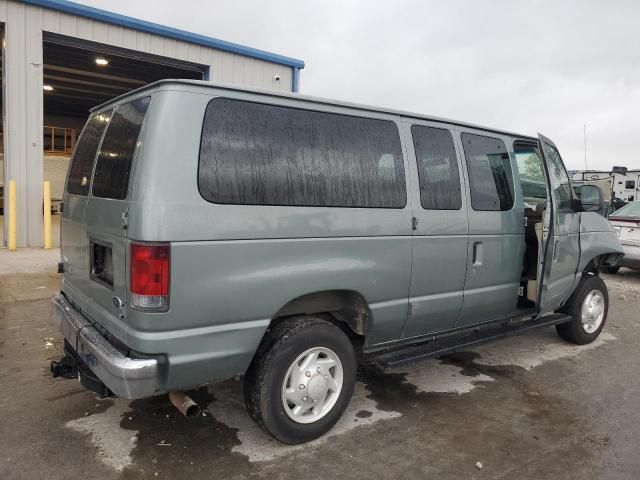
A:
(113, 167)
(258, 154)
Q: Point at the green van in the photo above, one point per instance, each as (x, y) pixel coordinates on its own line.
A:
(210, 231)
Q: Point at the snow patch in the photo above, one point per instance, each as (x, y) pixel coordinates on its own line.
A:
(438, 377)
(532, 350)
(113, 442)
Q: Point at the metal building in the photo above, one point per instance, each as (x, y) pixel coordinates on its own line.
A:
(60, 58)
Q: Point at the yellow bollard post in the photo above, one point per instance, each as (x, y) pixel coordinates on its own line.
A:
(12, 216)
(46, 190)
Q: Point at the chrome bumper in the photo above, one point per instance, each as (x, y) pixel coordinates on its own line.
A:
(126, 377)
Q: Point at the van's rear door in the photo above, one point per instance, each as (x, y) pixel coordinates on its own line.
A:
(74, 243)
(99, 285)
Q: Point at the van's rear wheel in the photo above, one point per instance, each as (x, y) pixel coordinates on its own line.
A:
(301, 379)
(588, 307)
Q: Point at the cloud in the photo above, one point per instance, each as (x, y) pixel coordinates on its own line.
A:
(536, 66)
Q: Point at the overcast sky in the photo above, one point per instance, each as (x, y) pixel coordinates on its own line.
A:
(548, 67)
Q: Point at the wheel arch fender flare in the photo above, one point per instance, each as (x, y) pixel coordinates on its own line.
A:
(348, 307)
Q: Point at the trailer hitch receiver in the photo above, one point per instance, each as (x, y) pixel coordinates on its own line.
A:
(66, 367)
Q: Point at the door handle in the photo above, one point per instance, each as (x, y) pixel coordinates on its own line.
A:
(477, 254)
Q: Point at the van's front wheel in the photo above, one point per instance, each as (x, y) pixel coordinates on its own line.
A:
(301, 379)
(588, 307)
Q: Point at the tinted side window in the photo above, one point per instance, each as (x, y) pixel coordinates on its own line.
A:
(111, 178)
(85, 154)
(490, 177)
(257, 154)
(437, 168)
(559, 178)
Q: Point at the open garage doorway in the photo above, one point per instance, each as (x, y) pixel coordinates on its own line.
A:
(78, 75)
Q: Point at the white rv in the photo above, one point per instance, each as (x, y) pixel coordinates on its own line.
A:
(624, 185)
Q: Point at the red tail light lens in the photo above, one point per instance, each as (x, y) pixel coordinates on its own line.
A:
(149, 276)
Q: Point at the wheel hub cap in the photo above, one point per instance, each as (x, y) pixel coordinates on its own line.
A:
(312, 385)
(593, 310)
(317, 387)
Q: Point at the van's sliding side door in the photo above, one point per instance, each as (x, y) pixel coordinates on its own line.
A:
(561, 233)
(440, 230)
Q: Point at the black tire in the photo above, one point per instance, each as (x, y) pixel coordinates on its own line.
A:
(278, 350)
(612, 270)
(574, 331)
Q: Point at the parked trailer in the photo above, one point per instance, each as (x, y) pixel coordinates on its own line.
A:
(624, 185)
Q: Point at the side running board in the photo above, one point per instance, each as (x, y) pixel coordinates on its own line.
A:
(464, 341)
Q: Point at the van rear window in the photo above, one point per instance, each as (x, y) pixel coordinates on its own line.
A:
(85, 154)
(257, 154)
(111, 177)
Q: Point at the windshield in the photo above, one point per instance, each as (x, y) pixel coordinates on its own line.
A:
(630, 210)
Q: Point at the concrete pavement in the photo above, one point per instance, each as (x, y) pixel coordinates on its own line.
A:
(529, 407)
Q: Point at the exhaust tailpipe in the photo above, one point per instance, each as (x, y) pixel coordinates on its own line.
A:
(185, 404)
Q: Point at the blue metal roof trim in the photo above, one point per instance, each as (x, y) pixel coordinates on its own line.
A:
(162, 30)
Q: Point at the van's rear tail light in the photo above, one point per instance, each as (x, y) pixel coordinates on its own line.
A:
(149, 276)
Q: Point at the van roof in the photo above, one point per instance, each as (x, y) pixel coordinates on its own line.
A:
(307, 98)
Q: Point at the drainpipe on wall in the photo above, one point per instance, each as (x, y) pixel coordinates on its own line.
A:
(295, 79)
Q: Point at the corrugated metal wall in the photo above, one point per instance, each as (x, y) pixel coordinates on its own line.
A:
(22, 71)
(23, 116)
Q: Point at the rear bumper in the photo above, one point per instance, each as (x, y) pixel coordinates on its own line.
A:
(126, 377)
(631, 257)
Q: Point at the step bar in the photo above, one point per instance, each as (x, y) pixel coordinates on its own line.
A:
(464, 340)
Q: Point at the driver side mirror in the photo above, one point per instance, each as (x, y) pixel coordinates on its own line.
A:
(591, 198)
